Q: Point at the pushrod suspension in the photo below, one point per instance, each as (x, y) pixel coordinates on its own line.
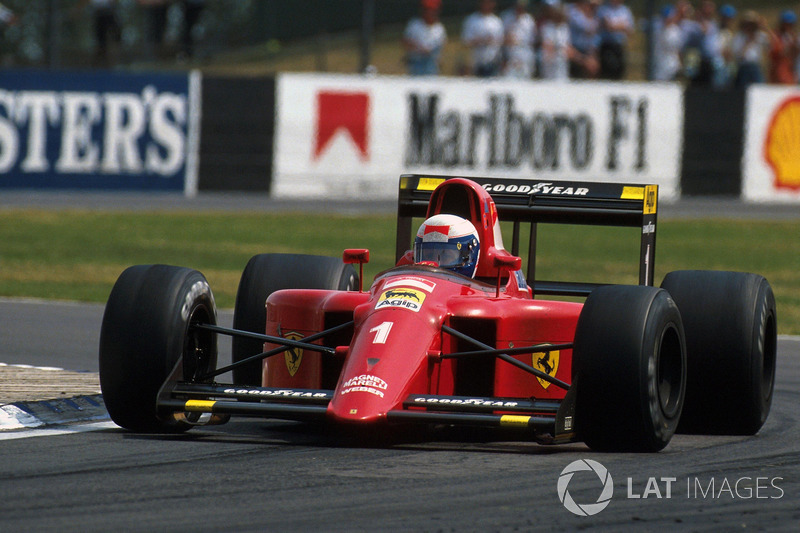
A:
(286, 344)
(503, 354)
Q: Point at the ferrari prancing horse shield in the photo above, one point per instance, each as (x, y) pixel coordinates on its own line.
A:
(547, 362)
(293, 356)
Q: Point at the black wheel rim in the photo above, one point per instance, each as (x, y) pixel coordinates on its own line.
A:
(670, 372)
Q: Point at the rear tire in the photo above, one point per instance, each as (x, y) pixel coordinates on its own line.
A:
(731, 342)
(265, 274)
(629, 368)
(145, 338)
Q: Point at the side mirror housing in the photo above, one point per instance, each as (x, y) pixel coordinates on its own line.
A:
(360, 256)
(505, 263)
(356, 255)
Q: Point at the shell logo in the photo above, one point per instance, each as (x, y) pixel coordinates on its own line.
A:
(782, 145)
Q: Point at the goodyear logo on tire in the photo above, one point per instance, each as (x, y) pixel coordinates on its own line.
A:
(402, 297)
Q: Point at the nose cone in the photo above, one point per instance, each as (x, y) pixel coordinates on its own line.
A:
(387, 362)
(362, 399)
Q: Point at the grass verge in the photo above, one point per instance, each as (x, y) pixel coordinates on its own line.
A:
(77, 255)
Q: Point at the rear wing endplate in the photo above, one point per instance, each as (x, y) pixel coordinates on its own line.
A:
(557, 202)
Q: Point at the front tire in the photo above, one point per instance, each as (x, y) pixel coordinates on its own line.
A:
(731, 342)
(629, 367)
(146, 337)
(265, 274)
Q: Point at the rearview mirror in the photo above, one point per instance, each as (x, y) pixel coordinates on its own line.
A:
(360, 256)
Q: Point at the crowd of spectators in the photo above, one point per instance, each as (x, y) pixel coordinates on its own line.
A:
(107, 28)
(721, 48)
(696, 42)
(104, 20)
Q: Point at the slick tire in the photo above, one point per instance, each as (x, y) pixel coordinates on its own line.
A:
(731, 343)
(629, 369)
(146, 339)
(265, 274)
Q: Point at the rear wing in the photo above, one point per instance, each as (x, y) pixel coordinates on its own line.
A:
(537, 201)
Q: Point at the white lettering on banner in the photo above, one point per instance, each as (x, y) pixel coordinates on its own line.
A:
(9, 140)
(37, 108)
(140, 132)
(78, 153)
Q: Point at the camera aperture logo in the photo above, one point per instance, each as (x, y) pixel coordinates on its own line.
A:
(585, 509)
(595, 479)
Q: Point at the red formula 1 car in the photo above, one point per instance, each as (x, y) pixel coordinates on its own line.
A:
(620, 371)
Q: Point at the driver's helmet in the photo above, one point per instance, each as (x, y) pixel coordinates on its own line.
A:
(449, 241)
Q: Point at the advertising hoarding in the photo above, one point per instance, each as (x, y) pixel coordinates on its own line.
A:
(343, 136)
(771, 163)
(99, 130)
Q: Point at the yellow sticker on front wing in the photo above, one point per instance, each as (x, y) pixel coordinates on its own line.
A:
(200, 406)
(514, 421)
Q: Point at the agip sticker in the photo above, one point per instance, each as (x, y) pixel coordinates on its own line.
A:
(402, 297)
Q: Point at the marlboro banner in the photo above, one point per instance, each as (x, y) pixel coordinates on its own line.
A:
(343, 136)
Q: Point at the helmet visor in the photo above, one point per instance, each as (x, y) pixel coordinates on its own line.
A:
(445, 254)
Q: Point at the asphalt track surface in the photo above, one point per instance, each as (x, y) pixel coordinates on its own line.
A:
(255, 475)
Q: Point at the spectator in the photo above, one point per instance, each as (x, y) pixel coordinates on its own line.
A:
(7, 17)
(784, 50)
(725, 76)
(616, 26)
(520, 38)
(692, 38)
(156, 14)
(584, 26)
(423, 40)
(708, 40)
(749, 46)
(192, 9)
(556, 48)
(669, 44)
(106, 28)
(483, 34)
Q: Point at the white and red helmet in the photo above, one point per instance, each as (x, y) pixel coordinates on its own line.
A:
(449, 241)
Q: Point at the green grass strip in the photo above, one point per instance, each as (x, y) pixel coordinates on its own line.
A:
(77, 255)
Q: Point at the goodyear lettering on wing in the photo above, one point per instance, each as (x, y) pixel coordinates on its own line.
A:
(541, 188)
(402, 297)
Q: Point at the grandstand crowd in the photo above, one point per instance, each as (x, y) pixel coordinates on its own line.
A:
(698, 42)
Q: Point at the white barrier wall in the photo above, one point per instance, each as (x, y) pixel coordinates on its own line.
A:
(771, 163)
(352, 136)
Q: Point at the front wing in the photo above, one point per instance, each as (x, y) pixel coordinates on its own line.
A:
(544, 421)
